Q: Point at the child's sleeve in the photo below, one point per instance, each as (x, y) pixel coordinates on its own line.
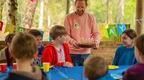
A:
(116, 57)
(47, 55)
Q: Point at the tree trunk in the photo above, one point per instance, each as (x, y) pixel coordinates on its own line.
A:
(30, 11)
(12, 13)
(139, 16)
(1, 8)
(41, 15)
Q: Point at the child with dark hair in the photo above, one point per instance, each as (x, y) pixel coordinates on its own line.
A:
(57, 52)
(136, 72)
(38, 35)
(5, 55)
(125, 53)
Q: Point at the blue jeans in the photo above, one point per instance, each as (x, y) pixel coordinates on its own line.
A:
(78, 59)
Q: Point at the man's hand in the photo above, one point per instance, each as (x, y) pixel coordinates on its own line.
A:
(96, 45)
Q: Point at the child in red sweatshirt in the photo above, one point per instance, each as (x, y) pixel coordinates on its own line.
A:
(57, 52)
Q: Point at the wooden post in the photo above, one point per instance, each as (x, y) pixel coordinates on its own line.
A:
(139, 16)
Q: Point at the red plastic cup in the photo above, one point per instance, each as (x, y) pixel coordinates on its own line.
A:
(3, 67)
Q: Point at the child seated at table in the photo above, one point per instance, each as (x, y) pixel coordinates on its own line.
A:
(136, 72)
(23, 48)
(96, 68)
(5, 55)
(57, 52)
(38, 37)
(125, 53)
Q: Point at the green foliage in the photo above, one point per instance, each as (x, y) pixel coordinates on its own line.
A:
(99, 9)
(130, 12)
(57, 10)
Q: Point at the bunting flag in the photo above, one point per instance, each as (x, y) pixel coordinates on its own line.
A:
(112, 31)
(121, 28)
(1, 25)
(9, 28)
(103, 31)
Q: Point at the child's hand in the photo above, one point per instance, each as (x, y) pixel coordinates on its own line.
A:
(68, 64)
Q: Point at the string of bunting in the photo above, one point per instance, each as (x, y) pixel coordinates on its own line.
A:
(112, 31)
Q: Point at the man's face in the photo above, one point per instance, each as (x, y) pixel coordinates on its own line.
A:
(80, 7)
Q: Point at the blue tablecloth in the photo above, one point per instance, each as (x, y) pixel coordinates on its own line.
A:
(77, 73)
(3, 76)
(118, 73)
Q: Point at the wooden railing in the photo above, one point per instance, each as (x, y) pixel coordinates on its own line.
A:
(103, 44)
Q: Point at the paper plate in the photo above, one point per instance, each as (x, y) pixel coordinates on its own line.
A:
(113, 67)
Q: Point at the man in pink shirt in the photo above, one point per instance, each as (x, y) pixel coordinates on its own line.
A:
(81, 26)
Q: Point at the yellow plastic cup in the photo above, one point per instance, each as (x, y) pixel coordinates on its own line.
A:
(46, 67)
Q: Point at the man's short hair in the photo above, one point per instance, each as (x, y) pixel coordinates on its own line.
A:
(86, 1)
